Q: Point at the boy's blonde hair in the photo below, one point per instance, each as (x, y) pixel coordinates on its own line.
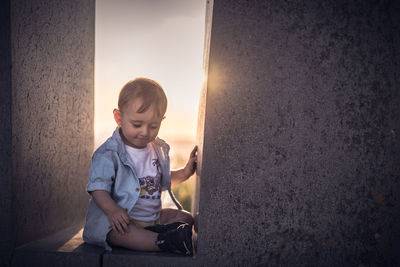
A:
(150, 91)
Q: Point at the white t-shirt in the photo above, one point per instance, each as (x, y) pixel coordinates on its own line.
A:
(147, 167)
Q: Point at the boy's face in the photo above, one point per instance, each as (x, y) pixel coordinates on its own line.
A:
(138, 129)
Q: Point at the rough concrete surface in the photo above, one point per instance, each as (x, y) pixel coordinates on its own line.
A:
(5, 135)
(52, 113)
(299, 159)
(300, 156)
(202, 109)
(124, 257)
(64, 248)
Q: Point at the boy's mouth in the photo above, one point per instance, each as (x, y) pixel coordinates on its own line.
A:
(142, 141)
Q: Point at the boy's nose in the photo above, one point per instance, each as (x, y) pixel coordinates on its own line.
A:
(144, 132)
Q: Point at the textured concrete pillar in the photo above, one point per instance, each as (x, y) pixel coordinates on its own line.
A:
(5, 135)
(300, 154)
(47, 116)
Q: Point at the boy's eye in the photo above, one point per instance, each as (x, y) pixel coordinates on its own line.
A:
(137, 125)
(153, 127)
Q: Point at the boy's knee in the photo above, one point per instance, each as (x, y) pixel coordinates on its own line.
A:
(187, 217)
(173, 215)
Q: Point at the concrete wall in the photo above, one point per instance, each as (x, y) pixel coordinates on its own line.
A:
(300, 156)
(52, 113)
(201, 110)
(5, 134)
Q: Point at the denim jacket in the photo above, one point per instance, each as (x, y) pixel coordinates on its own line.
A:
(112, 170)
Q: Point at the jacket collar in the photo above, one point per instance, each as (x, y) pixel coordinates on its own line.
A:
(119, 147)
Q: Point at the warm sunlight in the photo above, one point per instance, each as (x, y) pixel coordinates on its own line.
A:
(162, 40)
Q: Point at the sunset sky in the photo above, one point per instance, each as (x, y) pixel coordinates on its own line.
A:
(159, 39)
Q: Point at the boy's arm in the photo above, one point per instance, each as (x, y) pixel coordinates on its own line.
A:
(180, 175)
(117, 216)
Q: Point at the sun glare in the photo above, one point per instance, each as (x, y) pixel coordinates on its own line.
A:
(161, 40)
(155, 40)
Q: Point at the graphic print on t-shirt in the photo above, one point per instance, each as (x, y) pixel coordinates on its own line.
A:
(150, 186)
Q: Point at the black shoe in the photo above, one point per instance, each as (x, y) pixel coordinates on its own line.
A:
(163, 228)
(177, 241)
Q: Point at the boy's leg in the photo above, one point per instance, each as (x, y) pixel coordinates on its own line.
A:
(168, 216)
(177, 241)
(172, 218)
(137, 238)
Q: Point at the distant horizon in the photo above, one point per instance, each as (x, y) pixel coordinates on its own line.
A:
(160, 39)
(183, 140)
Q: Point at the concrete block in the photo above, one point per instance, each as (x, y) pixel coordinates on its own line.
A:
(124, 257)
(300, 151)
(5, 136)
(52, 111)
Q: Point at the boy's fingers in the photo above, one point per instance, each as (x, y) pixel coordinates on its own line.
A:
(116, 228)
(124, 225)
(193, 153)
(125, 219)
(119, 228)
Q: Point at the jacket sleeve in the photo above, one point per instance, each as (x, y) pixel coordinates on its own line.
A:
(102, 173)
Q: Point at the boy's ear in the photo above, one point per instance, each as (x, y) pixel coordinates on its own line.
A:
(117, 116)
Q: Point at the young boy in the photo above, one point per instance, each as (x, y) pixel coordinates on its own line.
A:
(127, 175)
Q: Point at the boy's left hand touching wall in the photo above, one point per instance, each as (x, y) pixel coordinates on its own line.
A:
(178, 176)
(190, 166)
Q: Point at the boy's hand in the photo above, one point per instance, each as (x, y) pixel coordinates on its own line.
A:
(119, 220)
(179, 176)
(190, 167)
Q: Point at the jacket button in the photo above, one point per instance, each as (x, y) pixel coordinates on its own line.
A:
(137, 189)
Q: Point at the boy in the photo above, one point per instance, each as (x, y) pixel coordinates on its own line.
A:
(127, 175)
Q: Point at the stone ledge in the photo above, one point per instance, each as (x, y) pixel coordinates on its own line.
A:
(124, 257)
(66, 248)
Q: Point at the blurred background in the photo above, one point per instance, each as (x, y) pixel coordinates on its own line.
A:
(161, 40)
